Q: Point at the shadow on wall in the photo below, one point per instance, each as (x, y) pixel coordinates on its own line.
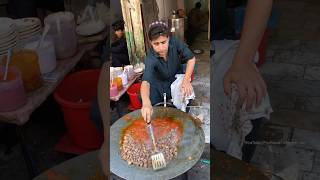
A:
(190, 4)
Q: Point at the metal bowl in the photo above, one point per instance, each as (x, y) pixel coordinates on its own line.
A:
(190, 147)
(198, 51)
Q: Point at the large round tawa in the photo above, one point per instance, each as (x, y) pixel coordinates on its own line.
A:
(190, 147)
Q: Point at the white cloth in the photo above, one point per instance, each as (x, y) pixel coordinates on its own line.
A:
(230, 124)
(179, 101)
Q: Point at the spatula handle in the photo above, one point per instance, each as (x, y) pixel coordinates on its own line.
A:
(152, 137)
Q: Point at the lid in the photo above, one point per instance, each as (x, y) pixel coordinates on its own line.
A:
(64, 17)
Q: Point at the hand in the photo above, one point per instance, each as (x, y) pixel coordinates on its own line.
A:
(186, 88)
(146, 112)
(251, 85)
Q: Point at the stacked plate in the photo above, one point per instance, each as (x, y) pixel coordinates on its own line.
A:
(90, 28)
(28, 28)
(8, 35)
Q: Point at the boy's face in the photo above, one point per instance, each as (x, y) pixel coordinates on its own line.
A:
(160, 45)
(119, 33)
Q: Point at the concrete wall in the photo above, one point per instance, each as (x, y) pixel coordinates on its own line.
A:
(189, 4)
(292, 68)
(116, 8)
(166, 7)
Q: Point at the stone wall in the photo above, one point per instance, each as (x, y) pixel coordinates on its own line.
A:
(292, 68)
(201, 85)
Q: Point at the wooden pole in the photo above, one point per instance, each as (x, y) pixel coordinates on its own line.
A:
(131, 11)
(209, 24)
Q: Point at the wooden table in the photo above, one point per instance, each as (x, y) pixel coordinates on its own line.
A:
(83, 167)
(37, 97)
(122, 92)
(34, 99)
(125, 88)
(227, 167)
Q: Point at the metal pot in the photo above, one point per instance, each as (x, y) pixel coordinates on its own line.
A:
(176, 25)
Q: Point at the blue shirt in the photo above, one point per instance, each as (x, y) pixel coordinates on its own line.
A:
(159, 73)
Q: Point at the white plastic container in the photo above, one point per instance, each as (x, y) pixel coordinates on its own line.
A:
(63, 30)
(124, 78)
(117, 71)
(129, 70)
(46, 54)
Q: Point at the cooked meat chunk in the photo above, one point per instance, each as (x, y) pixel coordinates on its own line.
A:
(139, 152)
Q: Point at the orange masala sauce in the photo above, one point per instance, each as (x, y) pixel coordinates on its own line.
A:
(161, 126)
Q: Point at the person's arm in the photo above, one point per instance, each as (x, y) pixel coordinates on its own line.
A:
(256, 18)
(145, 92)
(186, 85)
(147, 109)
(187, 56)
(189, 70)
(243, 71)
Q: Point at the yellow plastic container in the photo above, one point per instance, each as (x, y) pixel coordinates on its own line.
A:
(27, 62)
(118, 82)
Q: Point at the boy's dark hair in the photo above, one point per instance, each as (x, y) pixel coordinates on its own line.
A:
(198, 5)
(118, 25)
(157, 29)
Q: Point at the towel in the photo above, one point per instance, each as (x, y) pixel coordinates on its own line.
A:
(230, 124)
(241, 121)
(179, 101)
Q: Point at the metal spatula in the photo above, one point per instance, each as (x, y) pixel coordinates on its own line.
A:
(158, 161)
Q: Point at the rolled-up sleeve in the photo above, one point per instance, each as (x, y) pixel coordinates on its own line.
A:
(183, 50)
(148, 74)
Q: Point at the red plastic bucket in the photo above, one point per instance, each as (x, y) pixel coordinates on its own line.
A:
(75, 95)
(134, 95)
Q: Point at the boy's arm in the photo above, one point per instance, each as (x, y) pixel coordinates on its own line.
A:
(189, 70)
(148, 77)
(257, 15)
(243, 72)
(145, 93)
